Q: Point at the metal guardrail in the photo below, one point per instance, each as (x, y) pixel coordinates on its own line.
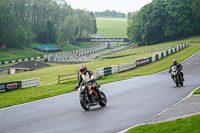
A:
(9, 86)
(30, 83)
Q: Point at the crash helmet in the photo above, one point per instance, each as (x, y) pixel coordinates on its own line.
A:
(83, 69)
(174, 61)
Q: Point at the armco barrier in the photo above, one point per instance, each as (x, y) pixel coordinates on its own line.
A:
(123, 67)
(142, 62)
(99, 72)
(153, 58)
(107, 71)
(115, 69)
(9, 86)
(31, 83)
(127, 66)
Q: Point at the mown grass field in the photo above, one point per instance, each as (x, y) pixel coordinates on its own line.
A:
(49, 76)
(18, 54)
(185, 125)
(112, 27)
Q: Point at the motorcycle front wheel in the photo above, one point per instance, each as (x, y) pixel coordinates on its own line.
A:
(181, 83)
(176, 80)
(177, 83)
(84, 102)
(103, 102)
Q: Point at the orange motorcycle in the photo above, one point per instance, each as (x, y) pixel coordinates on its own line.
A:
(89, 97)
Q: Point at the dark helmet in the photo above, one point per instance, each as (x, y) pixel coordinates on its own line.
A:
(83, 69)
(174, 61)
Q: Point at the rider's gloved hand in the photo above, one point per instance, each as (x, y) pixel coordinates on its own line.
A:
(76, 87)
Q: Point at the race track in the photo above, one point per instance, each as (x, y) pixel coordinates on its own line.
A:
(130, 102)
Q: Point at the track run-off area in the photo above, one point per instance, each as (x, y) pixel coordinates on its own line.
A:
(130, 102)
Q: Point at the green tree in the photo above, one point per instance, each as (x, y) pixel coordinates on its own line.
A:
(195, 6)
(43, 21)
(111, 14)
(67, 31)
(164, 20)
(178, 23)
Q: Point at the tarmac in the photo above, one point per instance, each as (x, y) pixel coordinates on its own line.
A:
(189, 106)
(185, 108)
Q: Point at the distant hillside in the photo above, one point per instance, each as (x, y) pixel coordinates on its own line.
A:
(112, 27)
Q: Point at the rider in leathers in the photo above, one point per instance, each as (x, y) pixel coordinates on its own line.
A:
(179, 68)
(88, 77)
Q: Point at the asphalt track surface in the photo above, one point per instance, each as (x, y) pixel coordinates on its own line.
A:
(130, 102)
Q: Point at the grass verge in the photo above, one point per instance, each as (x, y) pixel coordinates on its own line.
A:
(185, 125)
(197, 91)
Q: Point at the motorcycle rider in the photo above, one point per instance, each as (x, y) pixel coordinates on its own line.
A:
(88, 77)
(179, 68)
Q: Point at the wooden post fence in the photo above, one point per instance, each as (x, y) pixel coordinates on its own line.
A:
(68, 77)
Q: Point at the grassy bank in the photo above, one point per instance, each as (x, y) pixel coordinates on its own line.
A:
(48, 76)
(18, 54)
(186, 125)
(112, 27)
(197, 91)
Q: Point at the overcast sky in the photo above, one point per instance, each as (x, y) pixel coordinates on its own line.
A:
(124, 6)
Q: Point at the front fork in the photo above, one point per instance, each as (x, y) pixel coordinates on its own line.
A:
(175, 77)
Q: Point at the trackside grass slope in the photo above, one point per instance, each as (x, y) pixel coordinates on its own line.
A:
(112, 27)
(197, 91)
(49, 76)
(186, 125)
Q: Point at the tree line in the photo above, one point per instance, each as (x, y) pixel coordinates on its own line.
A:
(42, 21)
(110, 14)
(164, 20)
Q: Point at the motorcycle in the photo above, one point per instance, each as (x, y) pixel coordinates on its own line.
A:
(89, 97)
(178, 79)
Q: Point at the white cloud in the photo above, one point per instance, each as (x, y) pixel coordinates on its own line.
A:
(101, 5)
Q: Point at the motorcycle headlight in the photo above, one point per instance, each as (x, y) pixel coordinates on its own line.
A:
(81, 89)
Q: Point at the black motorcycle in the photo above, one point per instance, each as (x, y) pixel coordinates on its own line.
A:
(178, 79)
(89, 97)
